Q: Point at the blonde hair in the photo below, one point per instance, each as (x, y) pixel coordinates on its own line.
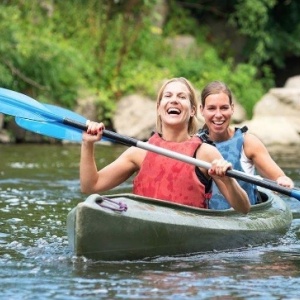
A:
(193, 122)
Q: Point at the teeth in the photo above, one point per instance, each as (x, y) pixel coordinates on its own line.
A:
(173, 111)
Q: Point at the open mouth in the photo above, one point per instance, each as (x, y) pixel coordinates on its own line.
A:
(218, 122)
(173, 111)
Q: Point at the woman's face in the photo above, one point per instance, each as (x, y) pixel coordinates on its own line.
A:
(217, 112)
(174, 107)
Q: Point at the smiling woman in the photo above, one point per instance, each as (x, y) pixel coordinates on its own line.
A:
(161, 177)
(244, 150)
(185, 107)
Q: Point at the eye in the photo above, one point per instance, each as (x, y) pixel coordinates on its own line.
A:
(225, 107)
(168, 95)
(182, 97)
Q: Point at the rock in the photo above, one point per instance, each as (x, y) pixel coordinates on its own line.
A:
(280, 103)
(4, 137)
(276, 116)
(86, 106)
(273, 130)
(239, 113)
(293, 82)
(135, 116)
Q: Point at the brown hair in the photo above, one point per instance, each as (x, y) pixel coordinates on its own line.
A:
(193, 122)
(215, 87)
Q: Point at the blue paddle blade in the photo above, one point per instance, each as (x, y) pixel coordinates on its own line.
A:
(55, 129)
(63, 130)
(295, 193)
(65, 113)
(16, 104)
(52, 129)
(46, 119)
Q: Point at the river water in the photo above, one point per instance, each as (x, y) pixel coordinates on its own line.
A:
(39, 185)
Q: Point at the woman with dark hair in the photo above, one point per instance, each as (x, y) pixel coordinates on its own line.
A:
(244, 150)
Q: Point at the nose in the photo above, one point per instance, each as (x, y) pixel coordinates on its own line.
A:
(218, 113)
(174, 99)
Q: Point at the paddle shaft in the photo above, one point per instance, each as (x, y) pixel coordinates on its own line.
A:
(22, 106)
(190, 160)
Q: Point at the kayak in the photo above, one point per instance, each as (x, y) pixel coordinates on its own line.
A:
(130, 227)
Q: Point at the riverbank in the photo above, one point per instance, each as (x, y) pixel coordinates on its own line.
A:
(275, 118)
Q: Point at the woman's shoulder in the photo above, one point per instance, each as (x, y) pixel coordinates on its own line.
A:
(207, 152)
(253, 145)
(134, 154)
(251, 138)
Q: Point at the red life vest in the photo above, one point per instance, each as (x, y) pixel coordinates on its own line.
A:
(169, 179)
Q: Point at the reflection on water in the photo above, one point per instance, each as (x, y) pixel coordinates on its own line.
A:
(286, 156)
(39, 185)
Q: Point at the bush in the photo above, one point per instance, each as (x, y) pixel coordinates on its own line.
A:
(111, 48)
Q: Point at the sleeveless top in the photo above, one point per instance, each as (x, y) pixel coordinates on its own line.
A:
(169, 179)
(231, 150)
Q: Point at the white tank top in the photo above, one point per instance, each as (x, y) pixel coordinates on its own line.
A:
(247, 163)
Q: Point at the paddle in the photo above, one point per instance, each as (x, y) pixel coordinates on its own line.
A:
(61, 123)
(55, 129)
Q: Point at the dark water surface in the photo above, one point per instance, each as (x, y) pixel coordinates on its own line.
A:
(39, 185)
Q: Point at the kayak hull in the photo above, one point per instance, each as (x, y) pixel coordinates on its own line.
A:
(151, 227)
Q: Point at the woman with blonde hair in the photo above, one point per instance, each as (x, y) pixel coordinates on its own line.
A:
(162, 177)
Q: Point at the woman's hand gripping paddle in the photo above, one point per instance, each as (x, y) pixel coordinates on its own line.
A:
(61, 123)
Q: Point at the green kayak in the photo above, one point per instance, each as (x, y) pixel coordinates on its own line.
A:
(128, 227)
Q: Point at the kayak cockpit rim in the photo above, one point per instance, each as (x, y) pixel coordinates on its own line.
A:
(100, 199)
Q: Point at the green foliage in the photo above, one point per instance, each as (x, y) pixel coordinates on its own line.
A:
(53, 49)
(42, 64)
(240, 78)
(272, 29)
(180, 21)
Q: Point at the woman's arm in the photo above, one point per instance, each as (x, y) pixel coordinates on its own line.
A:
(229, 187)
(92, 180)
(256, 151)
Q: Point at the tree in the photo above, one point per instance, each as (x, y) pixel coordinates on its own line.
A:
(271, 27)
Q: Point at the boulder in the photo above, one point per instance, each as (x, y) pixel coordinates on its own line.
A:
(4, 137)
(135, 116)
(293, 82)
(239, 113)
(276, 116)
(86, 106)
(273, 130)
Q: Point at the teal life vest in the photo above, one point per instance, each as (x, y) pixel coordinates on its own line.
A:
(231, 150)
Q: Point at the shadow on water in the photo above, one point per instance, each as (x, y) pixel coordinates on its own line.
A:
(39, 185)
